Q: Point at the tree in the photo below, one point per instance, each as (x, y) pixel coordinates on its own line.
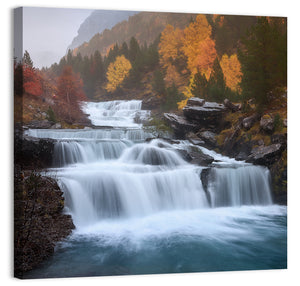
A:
(263, 58)
(216, 85)
(70, 94)
(27, 60)
(199, 85)
(198, 46)
(231, 67)
(158, 84)
(117, 72)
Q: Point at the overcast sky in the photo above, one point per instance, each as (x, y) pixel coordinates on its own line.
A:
(47, 32)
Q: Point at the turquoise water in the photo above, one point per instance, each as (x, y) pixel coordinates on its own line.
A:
(220, 239)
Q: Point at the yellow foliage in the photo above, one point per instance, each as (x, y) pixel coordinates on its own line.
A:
(187, 94)
(198, 46)
(232, 71)
(170, 45)
(172, 76)
(117, 72)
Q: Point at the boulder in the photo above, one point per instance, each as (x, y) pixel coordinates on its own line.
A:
(265, 155)
(201, 159)
(232, 107)
(267, 123)
(56, 126)
(195, 101)
(248, 122)
(209, 115)
(179, 124)
(194, 139)
(280, 138)
(208, 137)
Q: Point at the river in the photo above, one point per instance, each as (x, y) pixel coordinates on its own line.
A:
(140, 208)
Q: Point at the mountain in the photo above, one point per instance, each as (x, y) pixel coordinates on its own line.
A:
(97, 22)
(144, 26)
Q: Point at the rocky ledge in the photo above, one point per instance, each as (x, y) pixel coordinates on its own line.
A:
(39, 221)
(245, 136)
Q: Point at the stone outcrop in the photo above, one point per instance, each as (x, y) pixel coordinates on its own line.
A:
(33, 153)
(39, 221)
(265, 155)
(208, 137)
(267, 123)
(232, 107)
(180, 124)
(248, 122)
(210, 115)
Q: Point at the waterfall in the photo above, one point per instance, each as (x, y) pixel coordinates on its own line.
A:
(112, 173)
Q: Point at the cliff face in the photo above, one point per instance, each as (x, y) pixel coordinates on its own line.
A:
(97, 22)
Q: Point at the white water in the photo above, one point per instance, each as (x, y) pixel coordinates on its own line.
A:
(124, 193)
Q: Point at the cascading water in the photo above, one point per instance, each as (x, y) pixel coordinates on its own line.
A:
(140, 208)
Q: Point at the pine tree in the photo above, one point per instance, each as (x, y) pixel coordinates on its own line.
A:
(27, 60)
(216, 84)
(199, 86)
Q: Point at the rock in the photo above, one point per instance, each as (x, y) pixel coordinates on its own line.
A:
(195, 101)
(232, 107)
(39, 221)
(265, 155)
(267, 123)
(40, 124)
(205, 176)
(201, 159)
(209, 116)
(180, 125)
(151, 103)
(248, 122)
(184, 155)
(33, 153)
(208, 137)
(56, 126)
(280, 138)
(194, 139)
(285, 123)
(242, 156)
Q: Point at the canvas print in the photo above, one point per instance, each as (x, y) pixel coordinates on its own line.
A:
(148, 142)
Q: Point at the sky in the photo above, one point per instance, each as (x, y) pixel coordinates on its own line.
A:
(47, 32)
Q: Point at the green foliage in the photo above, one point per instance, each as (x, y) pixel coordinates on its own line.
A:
(171, 98)
(158, 83)
(216, 86)
(264, 59)
(51, 115)
(199, 86)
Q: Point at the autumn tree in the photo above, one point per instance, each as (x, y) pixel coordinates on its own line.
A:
(70, 94)
(231, 67)
(27, 61)
(198, 46)
(117, 72)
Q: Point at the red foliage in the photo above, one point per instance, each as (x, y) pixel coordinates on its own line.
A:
(31, 81)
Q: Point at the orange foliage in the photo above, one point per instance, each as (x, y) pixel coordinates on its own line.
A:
(198, 46)
(69, 95)
(172, 76)
(232, 71)
(31, 81)
(170, 46)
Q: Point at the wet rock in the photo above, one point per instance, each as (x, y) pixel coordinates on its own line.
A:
(194, 139)
(208, 137)
(265, 155)
(201, 159)
(56, 126)
(179, 124)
